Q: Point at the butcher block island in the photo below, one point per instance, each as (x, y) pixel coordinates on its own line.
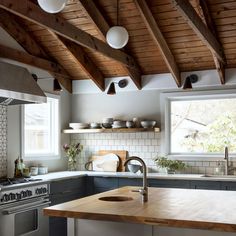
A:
(168, 212)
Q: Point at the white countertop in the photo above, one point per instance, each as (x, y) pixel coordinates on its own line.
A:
(72, 174)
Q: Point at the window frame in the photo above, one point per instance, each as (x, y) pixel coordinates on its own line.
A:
(166, 99)
(47, 156)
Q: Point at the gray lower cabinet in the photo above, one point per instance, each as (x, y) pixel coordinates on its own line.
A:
(211, 185)
(231, 186)
(169, 183)
(64, 191)
(102, 184)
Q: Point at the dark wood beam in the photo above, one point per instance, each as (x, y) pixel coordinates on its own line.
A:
(196, 23)
(159, 39)
(14, 28)
(206, 17)
(57, 24)
(85, 62)
(102, 27)
(26, 58)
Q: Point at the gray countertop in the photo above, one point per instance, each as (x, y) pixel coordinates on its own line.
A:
(72, 174)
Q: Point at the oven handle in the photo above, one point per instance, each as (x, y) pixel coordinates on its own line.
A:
(23, 209)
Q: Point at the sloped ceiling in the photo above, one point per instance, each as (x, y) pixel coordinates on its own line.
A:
(184, 48)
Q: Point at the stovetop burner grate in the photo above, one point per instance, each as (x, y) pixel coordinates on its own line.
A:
(12, 181)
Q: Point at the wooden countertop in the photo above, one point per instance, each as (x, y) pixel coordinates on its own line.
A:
(188, 208)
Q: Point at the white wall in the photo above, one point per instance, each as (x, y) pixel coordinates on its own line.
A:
(14, 134)
(125, 105)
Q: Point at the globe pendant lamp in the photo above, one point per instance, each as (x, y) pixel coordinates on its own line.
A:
(117, 36)
(52, 6)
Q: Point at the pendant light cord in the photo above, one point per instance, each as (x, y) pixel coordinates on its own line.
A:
(117, 12)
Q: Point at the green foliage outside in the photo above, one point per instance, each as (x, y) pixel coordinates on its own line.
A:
(217, 135)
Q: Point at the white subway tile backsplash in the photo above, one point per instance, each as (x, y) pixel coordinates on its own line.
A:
(3, 141)
(145, 145)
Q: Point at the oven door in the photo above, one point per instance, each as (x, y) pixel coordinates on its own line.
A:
(25, 219)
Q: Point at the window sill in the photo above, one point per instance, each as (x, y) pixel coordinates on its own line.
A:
(200, 157)
(42, 158)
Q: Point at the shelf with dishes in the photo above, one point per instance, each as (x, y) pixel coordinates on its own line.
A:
(112, 126)
(111, 130)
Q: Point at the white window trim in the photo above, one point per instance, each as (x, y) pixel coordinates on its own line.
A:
(39, 157)
(165, 122)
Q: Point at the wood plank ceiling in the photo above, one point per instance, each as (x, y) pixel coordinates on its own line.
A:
(165, 36)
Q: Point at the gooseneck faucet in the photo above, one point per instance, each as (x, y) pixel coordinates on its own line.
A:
(226, 158)
(144, 190)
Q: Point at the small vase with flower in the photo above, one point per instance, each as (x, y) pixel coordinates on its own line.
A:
(72, 151)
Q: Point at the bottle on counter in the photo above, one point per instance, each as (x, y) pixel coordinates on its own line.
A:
(19, 166)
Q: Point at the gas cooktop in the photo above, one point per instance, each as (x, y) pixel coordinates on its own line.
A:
(12, 181)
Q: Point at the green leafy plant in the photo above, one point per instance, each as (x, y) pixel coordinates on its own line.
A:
(72, 150)
(170, 165)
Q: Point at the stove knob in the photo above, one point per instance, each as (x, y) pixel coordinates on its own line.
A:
(23, 194)
(29, 193)
(37, 191)
(18, 196)
(5, 198)
(44, 190)
(12, 196)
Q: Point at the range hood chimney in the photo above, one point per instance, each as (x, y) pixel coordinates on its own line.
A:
(17, 86)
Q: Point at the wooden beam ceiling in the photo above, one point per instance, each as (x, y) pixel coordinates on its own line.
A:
(13, 28)
(159, 39)
(205, 14)
(57, 24)
(26, 58)
(85, 62)
(102, 27)
(196, 23)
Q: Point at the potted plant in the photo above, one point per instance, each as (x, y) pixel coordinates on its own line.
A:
(170, 165)
(72, 151)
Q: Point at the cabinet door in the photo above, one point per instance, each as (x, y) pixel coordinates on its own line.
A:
(228, 186)
(199, 184)
(102, 184)
(64, 191)
(168, 183)
(129, 182)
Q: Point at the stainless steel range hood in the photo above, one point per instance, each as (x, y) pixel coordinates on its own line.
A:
(17, 86)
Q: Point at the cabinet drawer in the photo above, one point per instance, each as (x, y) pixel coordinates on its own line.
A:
(105, 182)
(61, 186)
(129, 182)
(169, 183)
(205, 185)
(228, 186)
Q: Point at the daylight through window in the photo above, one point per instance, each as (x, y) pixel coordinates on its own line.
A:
(202, 126)
(40, 127)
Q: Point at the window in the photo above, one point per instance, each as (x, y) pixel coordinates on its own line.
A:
(40, 129)
(200, 124)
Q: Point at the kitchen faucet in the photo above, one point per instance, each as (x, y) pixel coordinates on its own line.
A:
(228, 167)
(144, 190)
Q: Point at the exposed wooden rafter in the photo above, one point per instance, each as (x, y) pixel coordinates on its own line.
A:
(12, 27)
(57, 24)
(206, 17)
(159, 39)
(196, 23)
(26, 58)
(102, 27)
(85, 62)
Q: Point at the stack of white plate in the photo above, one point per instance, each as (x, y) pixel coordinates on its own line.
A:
(79, 125)
(117, 124)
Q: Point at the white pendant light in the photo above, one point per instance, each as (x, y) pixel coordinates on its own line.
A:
(52, 6)
(117, 36)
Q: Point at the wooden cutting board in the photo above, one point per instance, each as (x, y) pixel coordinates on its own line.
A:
(122, 154)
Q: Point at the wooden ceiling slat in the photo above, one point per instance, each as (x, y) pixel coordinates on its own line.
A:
(31, 12)
(189, 13)
(102, 26)
(12, 26)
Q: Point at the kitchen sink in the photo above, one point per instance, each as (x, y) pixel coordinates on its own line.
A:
(115, 198)
(219, 176)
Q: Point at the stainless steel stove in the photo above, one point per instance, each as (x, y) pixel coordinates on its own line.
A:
(21, 207)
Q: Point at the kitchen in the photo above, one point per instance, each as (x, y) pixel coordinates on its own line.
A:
(89, 104)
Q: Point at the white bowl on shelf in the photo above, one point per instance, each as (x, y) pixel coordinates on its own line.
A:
(78, 125)
(148, 123)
